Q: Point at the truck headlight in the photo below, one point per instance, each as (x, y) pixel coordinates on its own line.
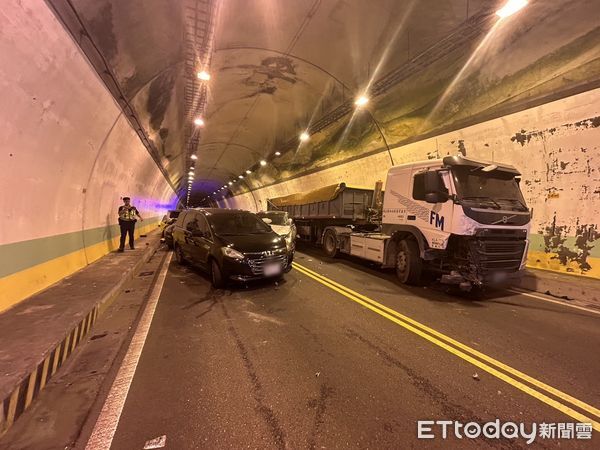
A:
(231, 253)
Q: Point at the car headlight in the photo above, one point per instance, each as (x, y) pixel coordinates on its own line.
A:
(289, 241)
(231, 253)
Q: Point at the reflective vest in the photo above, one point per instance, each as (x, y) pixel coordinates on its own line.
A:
(127, 212)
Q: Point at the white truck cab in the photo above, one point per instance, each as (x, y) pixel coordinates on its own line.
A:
(467, 216)
(463, 219)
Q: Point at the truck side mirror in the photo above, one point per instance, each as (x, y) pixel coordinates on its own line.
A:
(436, 197)
(435, 191)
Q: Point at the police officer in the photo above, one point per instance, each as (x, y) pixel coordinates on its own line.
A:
(127, 220)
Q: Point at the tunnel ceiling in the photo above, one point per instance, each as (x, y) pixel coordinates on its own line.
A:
(275, 65)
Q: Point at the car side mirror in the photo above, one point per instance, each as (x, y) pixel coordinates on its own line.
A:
(267, 220)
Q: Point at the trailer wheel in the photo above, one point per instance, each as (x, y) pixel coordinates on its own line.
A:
(330, 244)
(409, 265)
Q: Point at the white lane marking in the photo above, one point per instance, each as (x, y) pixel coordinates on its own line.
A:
(558, 302)
(106, 425)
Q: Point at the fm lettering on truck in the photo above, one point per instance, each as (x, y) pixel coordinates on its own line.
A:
(439, 220)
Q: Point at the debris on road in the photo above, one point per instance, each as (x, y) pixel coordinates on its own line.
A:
(158, 442)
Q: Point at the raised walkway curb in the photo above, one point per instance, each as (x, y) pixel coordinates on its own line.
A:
(40, 333)
(573, 289)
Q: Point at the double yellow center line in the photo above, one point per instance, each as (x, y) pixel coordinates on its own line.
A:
(514, 377)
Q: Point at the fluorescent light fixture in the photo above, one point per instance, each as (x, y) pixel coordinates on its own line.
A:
(511, 7)
(203, 75)
(199, 122)
(248, 172)
(263, 163)
(190, 173)
(241, 177)
(230, 183)
(361, 101)
(304, 136)
(277, 153)
(194, 157)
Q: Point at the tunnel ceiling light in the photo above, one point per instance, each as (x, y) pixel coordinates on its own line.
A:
(203, 75)
(511, 7)
(230, 183)
(194, 157)
(361, 101)
(199, 122)
(248, 172)
(304, 136)
(263, 163)
(277, 153)
(192, 168)
(190, 173)
(241, 177)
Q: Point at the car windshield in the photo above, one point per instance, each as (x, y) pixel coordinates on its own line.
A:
(277, 217)
(237, 224)
(496, 189)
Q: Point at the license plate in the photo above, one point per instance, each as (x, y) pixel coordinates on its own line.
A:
(272, 269)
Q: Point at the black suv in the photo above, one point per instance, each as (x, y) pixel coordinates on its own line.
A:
(230, 244)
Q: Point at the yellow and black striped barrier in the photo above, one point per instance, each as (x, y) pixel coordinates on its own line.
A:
(23, 394)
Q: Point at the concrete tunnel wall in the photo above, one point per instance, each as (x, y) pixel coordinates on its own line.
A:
(68, 156)
(557, 148)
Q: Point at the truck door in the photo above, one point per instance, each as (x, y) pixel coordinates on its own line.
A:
(433, 219)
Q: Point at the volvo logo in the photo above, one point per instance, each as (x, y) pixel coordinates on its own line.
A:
(504, 219)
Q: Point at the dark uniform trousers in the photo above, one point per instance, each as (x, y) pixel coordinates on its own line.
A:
(127, 228)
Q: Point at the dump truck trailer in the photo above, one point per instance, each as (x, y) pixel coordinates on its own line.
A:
(464, 219)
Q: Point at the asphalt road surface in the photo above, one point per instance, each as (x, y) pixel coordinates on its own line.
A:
(339, 355)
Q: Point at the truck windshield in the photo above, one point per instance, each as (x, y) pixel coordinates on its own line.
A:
(236, 224)
(495, 190)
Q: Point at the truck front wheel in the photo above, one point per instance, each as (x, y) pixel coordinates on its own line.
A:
(409, 265)
(330, 244)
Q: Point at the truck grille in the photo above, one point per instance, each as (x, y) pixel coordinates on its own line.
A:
(503, 253)
(258, 261)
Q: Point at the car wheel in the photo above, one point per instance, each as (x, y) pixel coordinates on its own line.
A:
(179, 255)
(409, 265)
(218, 281)
(330, 244)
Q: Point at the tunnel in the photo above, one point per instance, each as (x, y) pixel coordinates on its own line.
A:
(418, 185)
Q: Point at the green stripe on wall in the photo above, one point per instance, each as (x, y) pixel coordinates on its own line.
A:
(21, 255)
(536, 243)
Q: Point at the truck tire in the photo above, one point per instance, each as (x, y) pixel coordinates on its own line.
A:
(409, 265)
(330, 244)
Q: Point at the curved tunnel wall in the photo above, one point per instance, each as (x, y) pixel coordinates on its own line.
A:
(68, 156)
(556, 148)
